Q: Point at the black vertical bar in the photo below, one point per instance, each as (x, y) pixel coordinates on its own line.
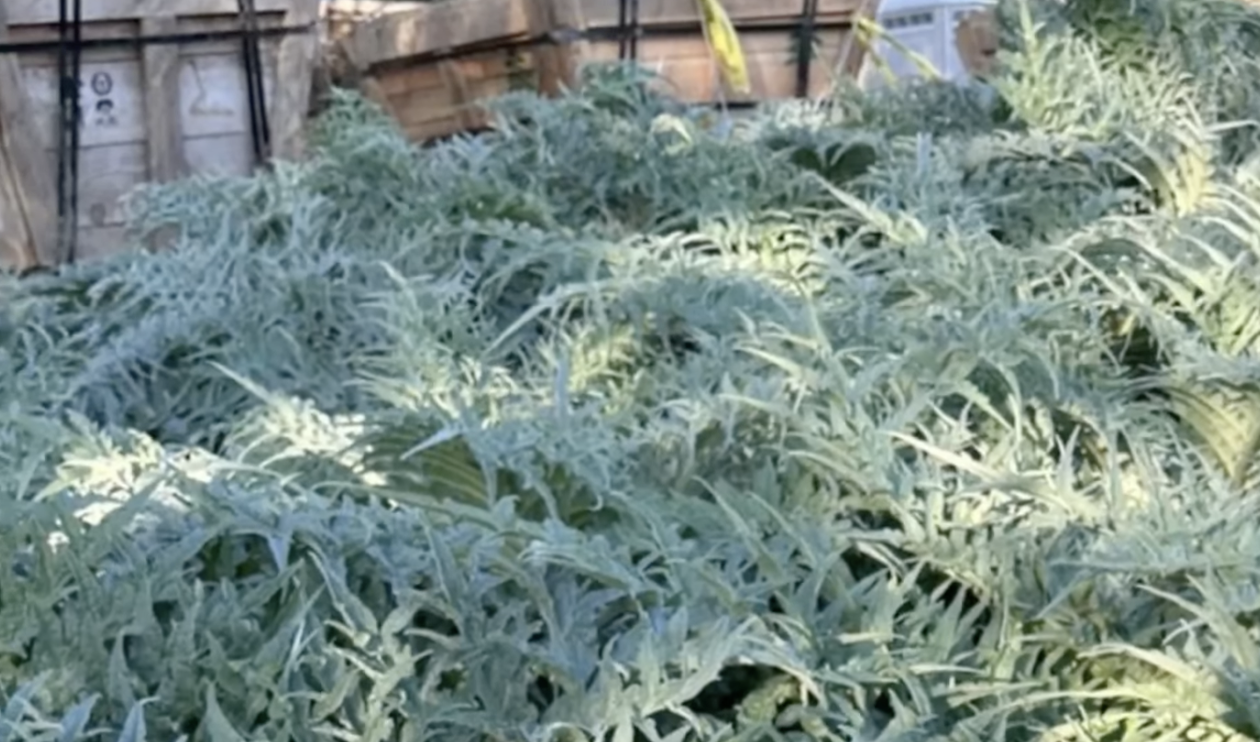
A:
(76, 130)
(805, 46)
(628, 29)
(634, 29)
(623, 23)
(258, 125)
(63, 69)
(69, 29)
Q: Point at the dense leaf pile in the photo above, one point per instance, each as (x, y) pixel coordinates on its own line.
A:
(929, 414)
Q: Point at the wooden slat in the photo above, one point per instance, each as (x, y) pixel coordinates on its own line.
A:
(153, 113)
(423, 95)
(462, 101)
(605, 13)
(29, 171)
(40, 12)
(372, 91)
(160, 67)
(341, 17)
(291, 97)
(126, 29)
(16, 247)
(423, 103)
(365, 10)
(437, 26)
(558, 63)
(687, 72)
(474, 69)
(448, 25)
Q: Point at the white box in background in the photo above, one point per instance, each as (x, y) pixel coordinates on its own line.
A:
(925, 27)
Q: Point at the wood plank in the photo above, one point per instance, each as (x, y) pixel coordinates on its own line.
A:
(687, 72)
(16, 248)
(291, 101)
(226, 154)
(339, 18)
(112, 98)
(37, 12)
(106, 175)
(29, 171)
(366, 10)
(111, 173)
(152, 113)
(210, 93)
(373, 93)
(435, 129)
(101, 242)
(160, 65)
(605, 13)
(437, 26)
(448, 25)
(423, 103)
(456, 86)
(166, 163)
(558, 64)
(213, 97)
(126, 29)
(437, 102)
(403, 82)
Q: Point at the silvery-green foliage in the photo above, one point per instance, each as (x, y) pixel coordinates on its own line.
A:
(924, 415)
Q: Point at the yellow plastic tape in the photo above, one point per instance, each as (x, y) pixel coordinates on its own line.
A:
(724, 43)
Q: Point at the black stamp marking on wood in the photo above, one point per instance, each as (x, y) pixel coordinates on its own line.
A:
(102, 83)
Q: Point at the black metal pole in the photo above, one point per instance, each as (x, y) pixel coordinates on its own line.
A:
(135, 42)
(805, 46)
(258, 124)
(67, 91)
(634, 29)
(623, 18)
(628, 29)
(76, 129)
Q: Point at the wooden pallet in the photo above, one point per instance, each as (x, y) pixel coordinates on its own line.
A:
(151, 112)
(338, 20)
(432, 66)
(340, 17)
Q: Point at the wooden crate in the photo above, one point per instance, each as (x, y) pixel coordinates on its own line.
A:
(339, 18)
(151, 112)
(431, 66)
